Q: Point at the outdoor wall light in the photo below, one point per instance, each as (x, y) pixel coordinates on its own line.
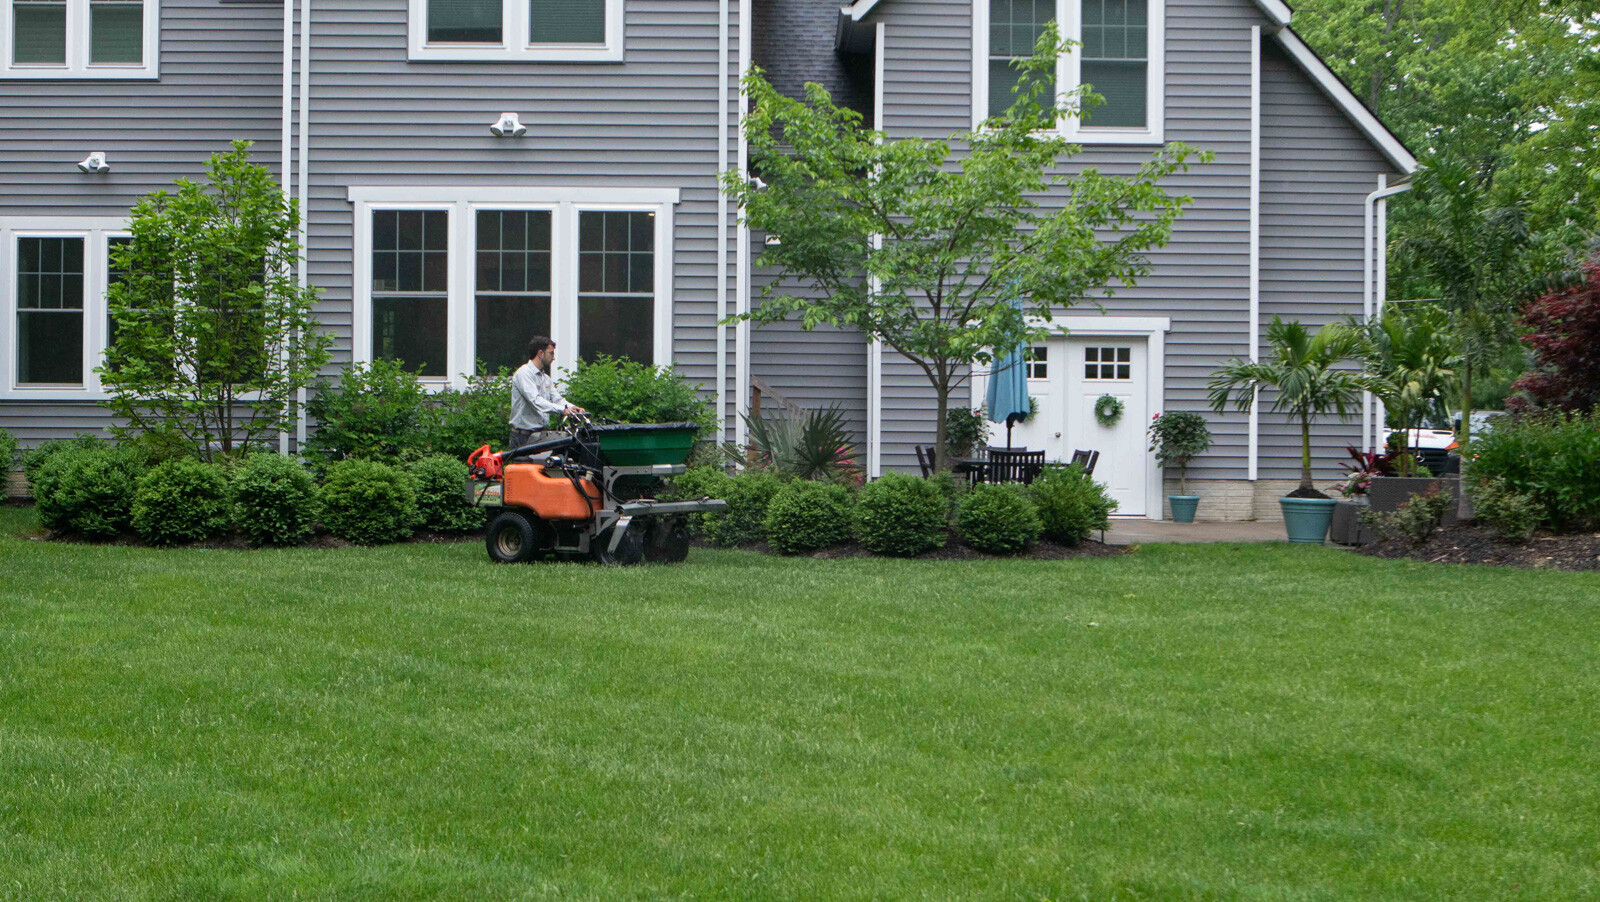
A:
(507, 125)
(95, 162)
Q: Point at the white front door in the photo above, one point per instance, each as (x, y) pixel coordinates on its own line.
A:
(1094, 368)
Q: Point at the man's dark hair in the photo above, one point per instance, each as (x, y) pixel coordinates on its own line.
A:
(538, 343)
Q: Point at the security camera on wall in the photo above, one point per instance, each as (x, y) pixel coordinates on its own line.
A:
(95, 162)
(508, 125)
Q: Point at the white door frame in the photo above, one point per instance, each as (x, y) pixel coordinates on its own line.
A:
(1153, 329)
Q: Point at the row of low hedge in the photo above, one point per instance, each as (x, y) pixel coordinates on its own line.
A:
(100, 490)
(898, 515)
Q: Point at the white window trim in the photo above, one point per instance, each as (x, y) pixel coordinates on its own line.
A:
(94, 231)
(514, 46)
(78, 65)
(462, 203)
(1067, 75)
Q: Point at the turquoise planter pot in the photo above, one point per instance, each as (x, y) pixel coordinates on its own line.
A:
(1307, 519)
(1183, 507)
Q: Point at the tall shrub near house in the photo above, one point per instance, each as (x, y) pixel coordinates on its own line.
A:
(909, 243)
(213, 337)
(377, 411)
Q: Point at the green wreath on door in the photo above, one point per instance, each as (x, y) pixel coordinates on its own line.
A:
(1107, 411)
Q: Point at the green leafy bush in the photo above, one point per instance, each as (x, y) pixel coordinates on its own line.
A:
(636, 392)
(442, 506)
(378, 411)
(8, 451)
(275, 500)
(1555, 459)
(1071, 504)
(805, 516)
(699, 482)
(1416, 519)
(461, 421)
(951, 487)
(88, 488)
(181, 501)
(368, 502)
(34, 459)
(1513, 514)
(901, 516)
(748, 496)
(999, 519)
(964, 430)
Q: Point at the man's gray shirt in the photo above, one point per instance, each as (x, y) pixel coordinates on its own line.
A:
(534, 398)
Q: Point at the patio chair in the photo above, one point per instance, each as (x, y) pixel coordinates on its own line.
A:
(1015, 466)
(925, 459)
(1087, 460)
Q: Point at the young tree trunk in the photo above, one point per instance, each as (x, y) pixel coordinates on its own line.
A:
(941, 460)
(1464, 436)
(1305, 451)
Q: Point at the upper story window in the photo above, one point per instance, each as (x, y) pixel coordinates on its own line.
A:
(79, 38)
(517, 30)
(1119, 52)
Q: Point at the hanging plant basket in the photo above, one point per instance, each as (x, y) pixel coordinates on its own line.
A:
(1107, 410)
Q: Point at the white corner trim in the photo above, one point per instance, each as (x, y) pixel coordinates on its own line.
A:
(1341, 95)
(721, 327)
(1253, 340)
(514, 45)
(858, 10)
(77, 65)
(875, 345)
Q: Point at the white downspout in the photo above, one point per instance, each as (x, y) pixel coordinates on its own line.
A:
(875, 346)
(1372, 249)
(741, 276)
(285, 144)
(1253, 466)
(722, 221)
(303, 276)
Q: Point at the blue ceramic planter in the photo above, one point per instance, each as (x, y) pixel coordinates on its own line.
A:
(1307, 519)
(1183, 507)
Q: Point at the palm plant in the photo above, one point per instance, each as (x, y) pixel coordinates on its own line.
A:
(1301, 367)
(817, 444)
(1413, 358)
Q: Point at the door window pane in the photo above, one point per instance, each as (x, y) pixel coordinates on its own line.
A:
(39, 31)
(116, 31)
(50, 310)
(1038, 360)
(464, 21)
(1115, 61)
(1108, 363)
(513, 284)
(410, 281)
(567, 21)
(616, 285)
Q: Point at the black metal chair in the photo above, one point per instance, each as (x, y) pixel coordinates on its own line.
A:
(1006, 465)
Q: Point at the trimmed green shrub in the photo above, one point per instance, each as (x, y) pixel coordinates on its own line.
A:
(636, 392)
(1071, 504)
(1555, 459)
(805, 516)
(88, 488)
(1513, 514)
(1416, 519)
(368, 502)
(748, 495)
(34, 459)
(8, 451)
(998, 519)
(275, 500)
(901, 516)
(379, 411)
(460, 422)
(699, 482)
(181, 501)
(442, 506)
(951, 487)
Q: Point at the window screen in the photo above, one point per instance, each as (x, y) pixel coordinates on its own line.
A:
(513, 284)
(410, 288)
(1116, 60)
(616, 285)
(39, 32)
(1014, 28)
(567, 21)
(116, 32)
(464, 21)
(50, 311)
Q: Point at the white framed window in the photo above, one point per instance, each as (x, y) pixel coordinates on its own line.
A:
(579, 31)
(1119, 49)
(1037, 358)
(79, 38)
(448, 277)
(54, 321)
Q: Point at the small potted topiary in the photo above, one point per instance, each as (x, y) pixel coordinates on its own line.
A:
(1178, 437)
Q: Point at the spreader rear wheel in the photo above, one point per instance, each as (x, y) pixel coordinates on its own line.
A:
(512, 538)
(668, 542)
(629, 551)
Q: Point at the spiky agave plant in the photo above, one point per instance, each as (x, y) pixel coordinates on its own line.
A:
(817, 444)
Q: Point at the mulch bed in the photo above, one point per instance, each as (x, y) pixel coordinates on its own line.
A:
(954, 550)
(1475, 545)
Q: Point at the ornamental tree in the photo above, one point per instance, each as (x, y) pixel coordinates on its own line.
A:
(211, 336)
(1563, 333)
(924, 244)
(1178, 437)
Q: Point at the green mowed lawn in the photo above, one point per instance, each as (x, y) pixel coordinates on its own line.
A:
(1214, 722)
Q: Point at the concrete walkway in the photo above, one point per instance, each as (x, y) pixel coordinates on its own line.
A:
(1137, 530)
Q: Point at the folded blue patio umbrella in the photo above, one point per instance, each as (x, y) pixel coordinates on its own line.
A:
(1007, 398)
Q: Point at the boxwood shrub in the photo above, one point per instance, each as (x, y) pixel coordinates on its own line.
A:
(34, 459)
(368, 503)
(181, 501)
(998, 519)
(1071, 504)
(748, 496)
(805, 516)
(88, 488)
(275, 500)
(440, 481)
(901, 516)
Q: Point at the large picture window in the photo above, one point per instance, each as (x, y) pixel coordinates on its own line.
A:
(454, 281)
(79, 38)
(1119, 54)
(529, 30)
